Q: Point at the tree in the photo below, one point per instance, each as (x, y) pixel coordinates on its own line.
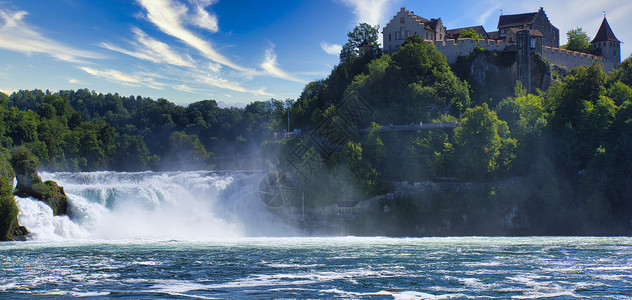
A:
(578, 41)
(8, 207)
(620, 93)
(483, 144)
(363, 33)
(470, 34)
(132, 154)
(186, 147)
(374, 145)
(623, 73)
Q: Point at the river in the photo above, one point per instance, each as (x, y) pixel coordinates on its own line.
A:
(205, 235)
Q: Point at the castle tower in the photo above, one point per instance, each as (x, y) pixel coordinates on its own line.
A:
(606, 45)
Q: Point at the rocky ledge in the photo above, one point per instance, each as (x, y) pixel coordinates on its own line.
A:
(30, 184)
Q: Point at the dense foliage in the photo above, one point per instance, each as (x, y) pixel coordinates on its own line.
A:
(550, 162)
(578, 41)
(8, 208)
(470, 33)
(83, 131)
(363, 36)
(567, 146)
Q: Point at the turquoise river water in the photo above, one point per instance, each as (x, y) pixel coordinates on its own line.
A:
(201, 235)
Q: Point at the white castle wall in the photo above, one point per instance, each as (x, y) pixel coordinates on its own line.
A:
(463, 47)
(570, 59)
(560, 57)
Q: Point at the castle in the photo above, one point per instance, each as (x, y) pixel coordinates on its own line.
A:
(526, 33)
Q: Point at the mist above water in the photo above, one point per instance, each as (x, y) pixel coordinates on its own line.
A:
(197, 205)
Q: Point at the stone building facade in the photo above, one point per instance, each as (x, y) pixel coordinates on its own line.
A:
(606, 44)
(543, 38)
(404, 24)
(532, 21)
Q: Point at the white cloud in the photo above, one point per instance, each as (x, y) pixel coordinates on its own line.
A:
(16, 35)
(205, 20)
(270, 65)
(150, 49)
(199, 80)
(333, 49)
(74, 81)
(373, 12)
(123, 78)
(482, 18)
(214, 67)
(170, 17)
(184, 88)
(216, 81)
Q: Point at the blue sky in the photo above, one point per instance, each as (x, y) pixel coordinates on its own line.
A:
(232, 51)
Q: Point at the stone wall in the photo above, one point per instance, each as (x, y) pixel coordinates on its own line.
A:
(555, 56)
(551, 35)
(570, 59)
(463, 47)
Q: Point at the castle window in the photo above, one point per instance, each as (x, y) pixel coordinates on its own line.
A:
(401, 20)
(397, 35)
(389, 37)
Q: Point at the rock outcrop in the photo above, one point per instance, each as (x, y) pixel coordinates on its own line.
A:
(10, 230)
(30, 184)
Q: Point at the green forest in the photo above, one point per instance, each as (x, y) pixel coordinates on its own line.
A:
(568, 147)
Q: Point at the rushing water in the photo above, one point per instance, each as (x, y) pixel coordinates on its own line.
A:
(432, 268)
(200, 235)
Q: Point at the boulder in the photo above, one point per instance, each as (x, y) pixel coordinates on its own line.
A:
(30, 184)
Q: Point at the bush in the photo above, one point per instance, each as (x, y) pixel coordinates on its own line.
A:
(8, 208)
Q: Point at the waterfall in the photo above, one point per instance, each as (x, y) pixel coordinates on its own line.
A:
(153, 205)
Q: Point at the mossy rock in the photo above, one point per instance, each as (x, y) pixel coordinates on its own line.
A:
(53, 195)
(25, 164)
(30, 184)
(48, 192)
(9, 228)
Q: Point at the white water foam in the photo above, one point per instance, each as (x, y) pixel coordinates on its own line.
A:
(156, 206)
(38, 218)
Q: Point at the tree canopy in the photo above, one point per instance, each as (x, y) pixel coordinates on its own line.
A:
(578, 40)
(470, 33)
(361, 34)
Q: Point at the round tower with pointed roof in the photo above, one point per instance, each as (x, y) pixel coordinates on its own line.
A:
(606, 44)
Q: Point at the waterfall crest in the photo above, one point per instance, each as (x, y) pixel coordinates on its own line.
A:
(153, 205)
